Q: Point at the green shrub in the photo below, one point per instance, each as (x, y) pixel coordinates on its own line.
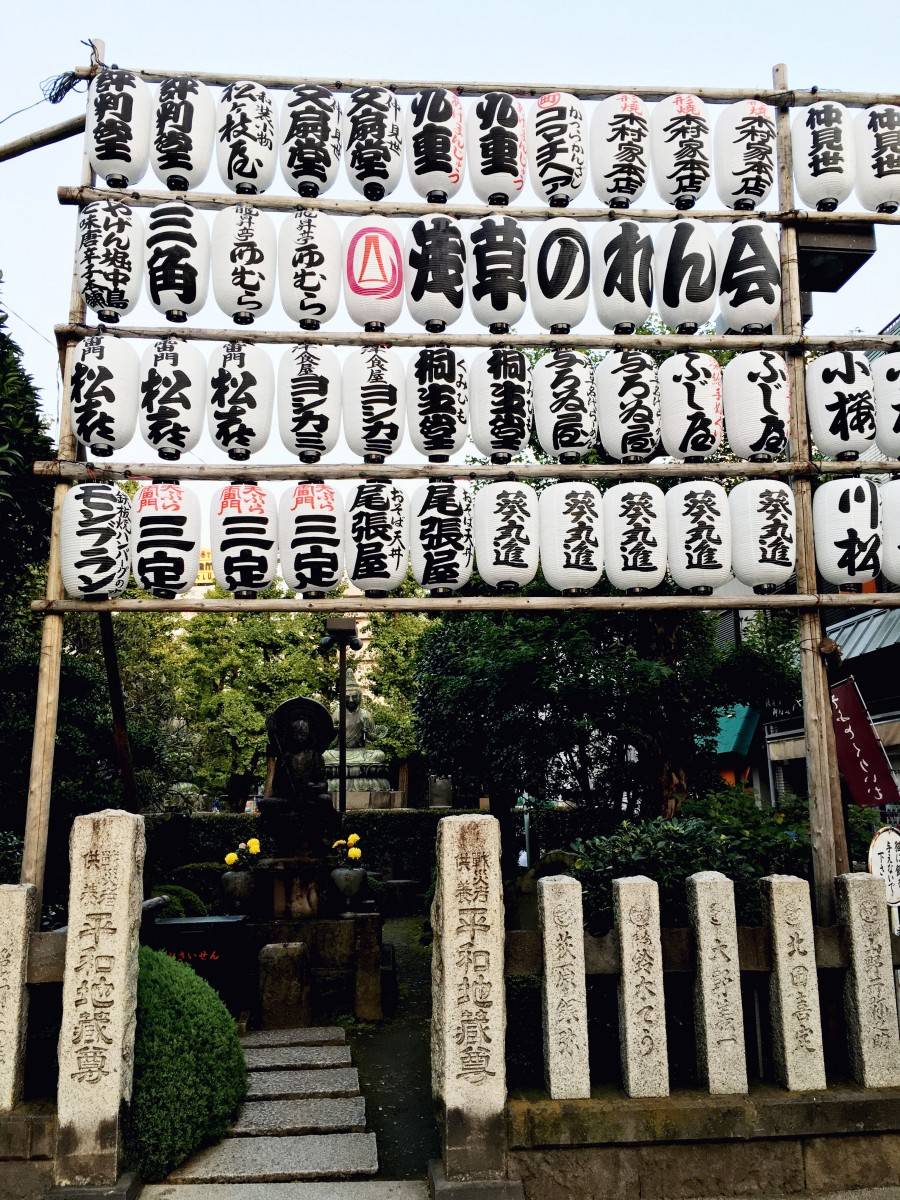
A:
(10, 857)
(173, 906)
(400, 841)
(204, 879)
(183, 898)
(189, 1073)
(177, 838)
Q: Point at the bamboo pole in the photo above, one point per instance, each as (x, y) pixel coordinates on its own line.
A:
(43, 137)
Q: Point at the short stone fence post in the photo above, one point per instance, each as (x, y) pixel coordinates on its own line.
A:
(18, 918)
(642, 1009)
(564, 992)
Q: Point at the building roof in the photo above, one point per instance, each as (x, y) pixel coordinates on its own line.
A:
(736, 729)
(866, 632)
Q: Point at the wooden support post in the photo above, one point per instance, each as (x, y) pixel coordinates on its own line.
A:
(42, 137)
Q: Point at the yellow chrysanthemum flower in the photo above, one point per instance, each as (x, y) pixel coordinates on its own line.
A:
(354, 852)
(253, 845)
(231, 858)
(338, 844)
(352, 839)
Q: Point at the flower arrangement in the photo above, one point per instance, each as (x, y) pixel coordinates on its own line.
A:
(348, 849)
(244, 855)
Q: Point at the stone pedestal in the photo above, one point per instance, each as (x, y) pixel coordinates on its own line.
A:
(563, 988)
(642, 1014)
(96, 1039)
(18, 917)
(284, 991)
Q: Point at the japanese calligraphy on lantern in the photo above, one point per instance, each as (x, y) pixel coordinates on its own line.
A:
(884, 860)
(862, 759)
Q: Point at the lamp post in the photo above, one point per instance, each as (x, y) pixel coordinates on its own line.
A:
(341, 632)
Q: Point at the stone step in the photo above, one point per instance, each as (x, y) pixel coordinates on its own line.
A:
(281, 1058)
(310, 1035)
(359, 1189)
(274, 1159)
(281, 1117)
(302, 1085)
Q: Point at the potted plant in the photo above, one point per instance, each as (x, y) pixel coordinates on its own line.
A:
(237, 881)
(348, 878)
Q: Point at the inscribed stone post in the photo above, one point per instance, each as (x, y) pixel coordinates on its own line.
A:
(718, 1016)
(468, 1024)
(642, 1014)
(793, 984)
(96, 1040)
(869, 1000)
(564, 996)
(18, 917)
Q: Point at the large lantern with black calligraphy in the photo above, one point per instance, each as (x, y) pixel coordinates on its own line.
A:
(496, 145)
(749, 276)
(622, 269)
(620, 131)
(183, 127)
(373, 272)
(311, 537)
(309, 267)
(690, 403)
(559, 274)
(744, 145)
(824, 154)
(698, 522)
(684, 274)
(634, 536)
(442, 549)
(244, 538)
(571, 527)
(310, 139)
(374, 402)
(876, 136)
(437, 402)
(847, 529)
(373, 141)
(890, 522)
(763, 533)
(243, 262)
(103, 391)
(117, 127)
(173, 397)
(177, 260)
(241, 395)
(557, 153)
(507, 535)
(110, 258)
(500, 402)
(435, 144)
(886, 383)
(757, 405)
(840, 400)
(165, 539)
(627, 405)
(435, 272)
(376, 537)
(95, 541)
(497, 272)
(565, 404)
(245, 138)
(309, 401)
(680, 149)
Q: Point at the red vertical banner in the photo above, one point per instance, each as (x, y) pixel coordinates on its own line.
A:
(862, 759)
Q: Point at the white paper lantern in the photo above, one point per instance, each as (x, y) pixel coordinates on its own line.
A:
(244, 538)
(847, 529)
(501, 394)
(165, 539)
(373, 272)
(744, 154)
(634, 536)
(620, 131)
(437, 402)
(376, 537)
(680, 149)
(309, 401)
(95, 541)
(309, 267)
(876, 136)
(565, 404)
(571, 541)
(757, 405)
(496, 145)
(559, 274)
(435, 272)
(622, 269)
(311, 538)
(177, 260)
(373, 141)
(497, 272)
(840, 400)
(103, 394)
(117, 126)
(374, 402)
(886, 383)
(174, 379)
(310, 139)
(763, 533)
(556, 148)
(690, 402)
(889, 495)
(110, 258)
(627, 405)
(183, 130)
(241, 396)
(442, 548)
(698, 522)
(749, 282)
(243, 262)
(507, 535)
(684, 274)
(246, 135)
(824, 154)
(435, 144)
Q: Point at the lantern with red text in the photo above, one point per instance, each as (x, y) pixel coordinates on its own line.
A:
(847, 529)
(309, 267)
(442, 550)
(840, 400)
(117, 126)
(103, 394)
(109, 258)
(556, 148)
(634, 536)
(311, 538)
(501, 394)
(565, 404)
(309, 401)
(95, 541)
(744, 145)
(749, 281)
(246, 137)
(243, 262)
(373, 272)
(435, 144)
(437, 402)
(183, 129)
(627, 405)
(690, 402)
(165, 539)
(435, 272)
(886, 383)
(680, 149)
(241, 396)
(310, 137)
(507, 535)
(684, 273)
(876, 136)
(496, 146)
(757, 405)
(244, 537)
(559, 274)
(373, 141)
(571, 536)
(374, 402)
(824, 154)
(177, 260)
(699, 536)
(376, 537)
(890, 522)
(174, 380)
(763, 533)
(622, 269)
(620, 131)
(497, 272)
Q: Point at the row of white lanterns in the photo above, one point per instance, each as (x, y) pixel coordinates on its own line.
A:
(177, 128)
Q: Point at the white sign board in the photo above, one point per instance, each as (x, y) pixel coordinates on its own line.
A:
(884, 860)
